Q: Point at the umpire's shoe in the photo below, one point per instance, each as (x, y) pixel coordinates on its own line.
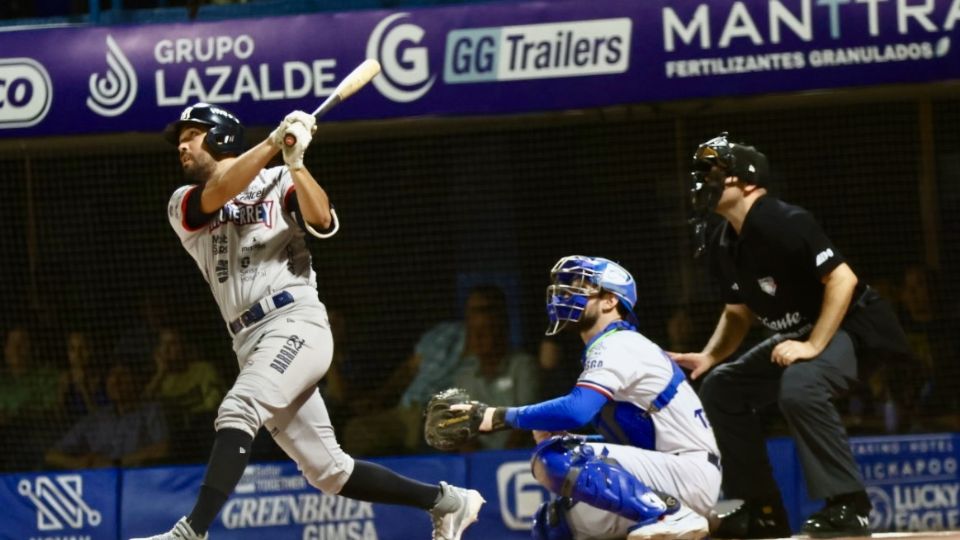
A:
(837, 520)
(755, 520)
(180, 531)
(455, 511)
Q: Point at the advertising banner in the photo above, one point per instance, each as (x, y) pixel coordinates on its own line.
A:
(512, 494)
(274, 500)
(912, 481)
(59, 505)
(476, 59)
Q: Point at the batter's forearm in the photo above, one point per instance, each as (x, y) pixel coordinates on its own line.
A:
(837, 294)
(236, 177)
(313, 200)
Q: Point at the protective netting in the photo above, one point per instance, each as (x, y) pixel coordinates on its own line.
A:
(98, 295)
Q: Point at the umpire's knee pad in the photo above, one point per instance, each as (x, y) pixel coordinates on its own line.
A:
(550, 521)
(238, 412)
(571, 468)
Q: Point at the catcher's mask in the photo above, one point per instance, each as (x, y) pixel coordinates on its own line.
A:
(574, 279)
(224, 130)
(714, 162)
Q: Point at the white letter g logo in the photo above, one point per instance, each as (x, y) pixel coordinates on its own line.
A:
(406, 70)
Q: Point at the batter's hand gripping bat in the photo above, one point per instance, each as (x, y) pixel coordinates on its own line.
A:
(357, 78)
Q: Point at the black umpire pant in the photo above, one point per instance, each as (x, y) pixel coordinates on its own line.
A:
(732, 393)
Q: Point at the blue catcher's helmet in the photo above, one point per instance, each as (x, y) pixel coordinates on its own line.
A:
(574, 279)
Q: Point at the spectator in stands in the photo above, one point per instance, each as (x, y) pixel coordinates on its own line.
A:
(558, 365)
(431, 367)
(29, 402)
(190, 392)
(82, 383)
(929, 331)
(345, 380)
(128, 432)
(495, 375)
(680, 334)
(138, 342)
(193, 384)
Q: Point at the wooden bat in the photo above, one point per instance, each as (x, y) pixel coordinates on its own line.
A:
(357, 78)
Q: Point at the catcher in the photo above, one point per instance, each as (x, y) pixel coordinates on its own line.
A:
(655, 439)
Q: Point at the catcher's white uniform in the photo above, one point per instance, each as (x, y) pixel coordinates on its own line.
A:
(682, 458)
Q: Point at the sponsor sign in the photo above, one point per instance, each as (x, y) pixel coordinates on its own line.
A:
(274, 500)
(512, 494)
(467, 59)
(912, 481)
(60, 505)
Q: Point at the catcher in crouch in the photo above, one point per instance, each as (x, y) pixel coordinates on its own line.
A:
(654, 472)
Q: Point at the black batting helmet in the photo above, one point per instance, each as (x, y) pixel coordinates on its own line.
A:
(225, 133)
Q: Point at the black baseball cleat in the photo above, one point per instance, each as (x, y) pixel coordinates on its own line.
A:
(752, 520)
(837, 520)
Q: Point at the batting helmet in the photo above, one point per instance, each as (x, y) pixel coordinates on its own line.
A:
(225, 133)
(576, 278)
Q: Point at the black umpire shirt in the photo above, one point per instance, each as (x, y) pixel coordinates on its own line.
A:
(775, 265)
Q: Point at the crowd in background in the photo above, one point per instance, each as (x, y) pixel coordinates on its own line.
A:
(72, 400)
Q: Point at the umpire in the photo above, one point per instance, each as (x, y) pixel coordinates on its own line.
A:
(773, 262)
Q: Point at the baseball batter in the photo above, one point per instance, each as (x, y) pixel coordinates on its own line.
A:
(657, 444)
(244, 225)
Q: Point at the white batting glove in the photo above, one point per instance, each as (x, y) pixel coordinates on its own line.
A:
(293, 154)
(306, 119)
(276, 136)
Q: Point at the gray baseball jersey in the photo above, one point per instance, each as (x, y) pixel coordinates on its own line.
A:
(250, 252)
(252, 248)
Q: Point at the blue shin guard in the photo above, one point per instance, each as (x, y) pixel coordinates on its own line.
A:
(550, 521)
(570, 468)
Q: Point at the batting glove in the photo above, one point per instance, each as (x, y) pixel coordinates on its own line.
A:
(306, 119)
(276, 136)
(293, 154)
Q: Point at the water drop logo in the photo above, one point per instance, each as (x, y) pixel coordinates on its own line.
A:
(114, 92)
(405, 75)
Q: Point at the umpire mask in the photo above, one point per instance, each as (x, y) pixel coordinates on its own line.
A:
(713, 162)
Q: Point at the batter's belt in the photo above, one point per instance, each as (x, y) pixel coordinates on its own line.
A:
(259, 310)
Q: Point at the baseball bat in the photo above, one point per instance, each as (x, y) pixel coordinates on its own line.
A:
(357, 78)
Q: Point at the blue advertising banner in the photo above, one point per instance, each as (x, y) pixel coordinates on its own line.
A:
(473, 59)
(782, 453)
(274, 500)
(512, 494)
(55, 506)
(912, 481)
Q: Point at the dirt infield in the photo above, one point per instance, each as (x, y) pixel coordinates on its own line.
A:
(946, 535)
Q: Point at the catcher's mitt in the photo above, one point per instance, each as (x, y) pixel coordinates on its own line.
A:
(446, 429)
